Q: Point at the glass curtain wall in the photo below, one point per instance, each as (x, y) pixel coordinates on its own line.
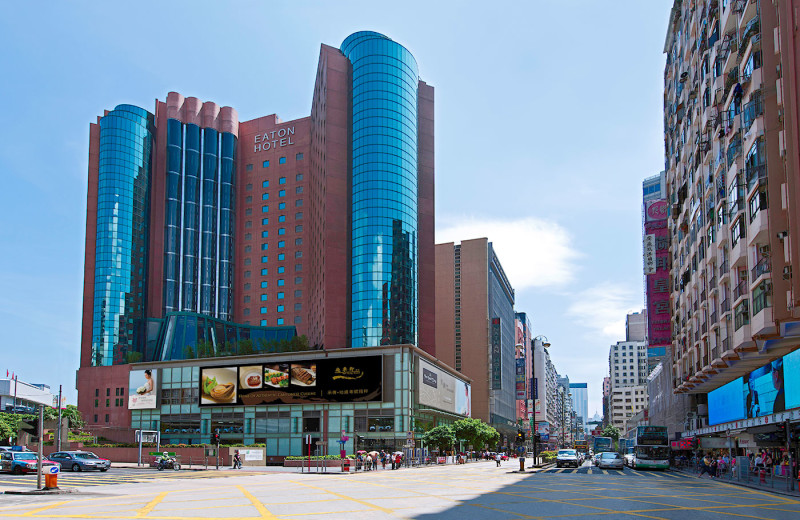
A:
(384, 191)
(123, 207)
(198, 242)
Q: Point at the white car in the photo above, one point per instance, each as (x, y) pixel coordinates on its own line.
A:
(567, 458)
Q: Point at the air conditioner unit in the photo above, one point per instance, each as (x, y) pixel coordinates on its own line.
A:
(787, 272)
(763, 251)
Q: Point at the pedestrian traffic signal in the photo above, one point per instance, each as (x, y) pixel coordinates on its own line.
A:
(215, 438)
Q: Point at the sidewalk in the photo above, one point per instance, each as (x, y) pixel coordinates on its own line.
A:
(778, 490)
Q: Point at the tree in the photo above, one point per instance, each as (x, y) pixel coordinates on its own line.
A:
(442, 437)
(475, 432)
(611, 431)
(70, 414)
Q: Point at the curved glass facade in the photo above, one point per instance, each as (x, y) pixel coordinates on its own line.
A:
(123, 206)
(384, 234)
(199, 231)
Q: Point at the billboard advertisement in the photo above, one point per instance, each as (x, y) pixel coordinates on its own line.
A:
(520, 378)
(497, 364)
(341, 380)
(142, 389)
(439, 389)
(656, 270)
(772, 388)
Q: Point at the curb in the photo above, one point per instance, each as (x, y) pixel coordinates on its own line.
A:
(740, 483)
(54, 491)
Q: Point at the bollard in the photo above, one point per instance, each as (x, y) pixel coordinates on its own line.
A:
(346, 466)
(51, 481)
(522, 464)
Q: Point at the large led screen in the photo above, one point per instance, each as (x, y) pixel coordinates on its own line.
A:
(350, 379)
(772, 388)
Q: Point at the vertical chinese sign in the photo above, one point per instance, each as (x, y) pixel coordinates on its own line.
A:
(656, 270)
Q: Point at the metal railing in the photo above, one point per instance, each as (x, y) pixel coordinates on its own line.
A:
(740, 289)
(742, 469)
(755, 173)
(725, 306)
(726, 344)
(762, 267)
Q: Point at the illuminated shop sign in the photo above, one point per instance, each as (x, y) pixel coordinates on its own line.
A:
(273, 139)
(342, 380)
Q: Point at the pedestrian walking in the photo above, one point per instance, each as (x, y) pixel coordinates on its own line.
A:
(706, 466)
(497, 459)
(237, 460)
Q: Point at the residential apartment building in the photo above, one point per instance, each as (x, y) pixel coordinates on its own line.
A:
(523, 351)
(627, 363)
(732, 161)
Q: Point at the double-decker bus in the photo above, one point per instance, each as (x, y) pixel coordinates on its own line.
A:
(648, 447)
(602, 444)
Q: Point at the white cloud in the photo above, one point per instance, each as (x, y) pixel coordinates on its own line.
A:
(534, 252)
(603, 307)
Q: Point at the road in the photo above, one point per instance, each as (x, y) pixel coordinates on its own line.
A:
(476, 490)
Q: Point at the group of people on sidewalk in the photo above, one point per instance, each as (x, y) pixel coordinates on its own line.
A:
(369, 462)
(717, 464)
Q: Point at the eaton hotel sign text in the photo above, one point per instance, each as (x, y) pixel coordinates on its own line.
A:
(274, 139)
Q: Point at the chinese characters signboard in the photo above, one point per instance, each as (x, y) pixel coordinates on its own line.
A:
(656, 269)
(497, 373)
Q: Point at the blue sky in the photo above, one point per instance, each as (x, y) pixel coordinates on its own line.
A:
(548, 117)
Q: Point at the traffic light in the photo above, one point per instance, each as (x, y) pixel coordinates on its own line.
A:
(31, 427)
(215, 438)
(520, 436)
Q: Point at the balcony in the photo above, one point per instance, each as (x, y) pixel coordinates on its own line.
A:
(762, 322)
(755, 174)
(712, 283)
(713, 318)
(725, 306)
(740, 290)
(741, 316)
(762, 267)
(751, 111)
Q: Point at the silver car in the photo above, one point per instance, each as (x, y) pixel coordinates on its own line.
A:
(80, 460)
(610, 460)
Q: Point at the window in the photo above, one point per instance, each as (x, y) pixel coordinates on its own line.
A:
(298, 268)
(263, 310)
(264, 246)
(282, 244)
(246, 261)
(281, 269)
(265, 164)
(280, 295)
(282, 193)
(298, 190)
(281, 256)
(280, 308)
(248, 211)
(298, 203)
(282, 180)
(264, 221)
(246, 299)
(247, 274)
(280, 321)
(298, 319)
(264, 272)
(298, 293)
(263, 297)
(298, 157)
(263, 323)
(247, 287)
(281, 282)
(106, 417)
(248, 199)
(281, 231)
(265, 234)
(298, 229)
(248, 236)
(298, 280)
(247, 249)
(298, 306)
(299, 176)
(282, 160)
(264, 259)
(282, 218)
(298, 254)
(263, 285)
(298, 215)
(249, 187)
(247, 312)
(264, 209)
(265, 196)
(249, 167)
(298, 241)
(108, 393)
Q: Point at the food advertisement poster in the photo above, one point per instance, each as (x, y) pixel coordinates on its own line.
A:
(142, 389)
(352, 379)
(218, 385)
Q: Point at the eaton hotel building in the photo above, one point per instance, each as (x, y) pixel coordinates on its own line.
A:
(228, 263)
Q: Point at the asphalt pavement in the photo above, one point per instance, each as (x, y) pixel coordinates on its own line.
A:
(459, 492)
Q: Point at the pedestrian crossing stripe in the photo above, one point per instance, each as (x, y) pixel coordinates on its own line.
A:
(627, 472)
(78, 480)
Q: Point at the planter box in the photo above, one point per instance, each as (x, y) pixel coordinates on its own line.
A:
(331, 463)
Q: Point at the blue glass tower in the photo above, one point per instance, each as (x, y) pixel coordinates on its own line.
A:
(384, 228)
(120, 282)
(200, 220)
